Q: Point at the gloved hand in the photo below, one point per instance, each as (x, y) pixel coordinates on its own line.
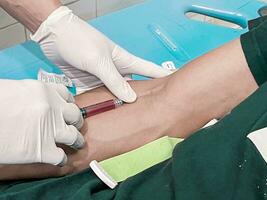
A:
(34, 117)
(85, 55)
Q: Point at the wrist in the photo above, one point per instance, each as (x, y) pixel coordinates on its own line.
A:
(58, 18)
(29, 12)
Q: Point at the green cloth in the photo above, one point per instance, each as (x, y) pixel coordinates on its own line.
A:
(254, 46)
(129, 164)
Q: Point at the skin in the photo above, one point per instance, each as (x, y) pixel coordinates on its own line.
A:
(177, 106)
(30, 13)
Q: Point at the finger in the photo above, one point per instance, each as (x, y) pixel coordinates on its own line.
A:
(130, 64)
(63, 92)
(72, 115)
(54, 156)
(70, 136)
(149, 69)
(116, 83)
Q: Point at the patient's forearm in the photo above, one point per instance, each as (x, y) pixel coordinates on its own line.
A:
(206, 88)
(31, 171)
(106, 135)
(31, 13)
(177, 105)
(121, 130)
(211, 86)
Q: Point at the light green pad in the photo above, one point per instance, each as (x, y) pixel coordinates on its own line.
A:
(129, 164)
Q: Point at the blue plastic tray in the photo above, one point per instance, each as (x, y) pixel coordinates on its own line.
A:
(156, 30)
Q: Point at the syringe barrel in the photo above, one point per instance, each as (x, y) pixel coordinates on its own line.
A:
(101, 107)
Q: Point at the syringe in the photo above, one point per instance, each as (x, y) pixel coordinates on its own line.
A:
(100, 107)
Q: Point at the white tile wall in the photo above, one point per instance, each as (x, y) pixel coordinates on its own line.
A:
(68, 1)
(5, 19)
(12, 33)
(105, 7)
(86, 9)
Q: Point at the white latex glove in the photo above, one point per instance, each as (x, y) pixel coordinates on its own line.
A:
(88, 57)
(34, 117)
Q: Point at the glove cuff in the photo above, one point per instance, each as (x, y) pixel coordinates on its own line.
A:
(54, 17)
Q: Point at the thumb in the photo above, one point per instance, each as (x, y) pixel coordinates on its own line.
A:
(130, 64)
(115, 82)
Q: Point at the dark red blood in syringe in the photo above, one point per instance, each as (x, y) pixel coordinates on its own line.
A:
(100, 108)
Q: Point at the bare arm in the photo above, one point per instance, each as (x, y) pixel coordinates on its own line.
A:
(178, 105)
(31, 13)
(209, 87)
(31, 171)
